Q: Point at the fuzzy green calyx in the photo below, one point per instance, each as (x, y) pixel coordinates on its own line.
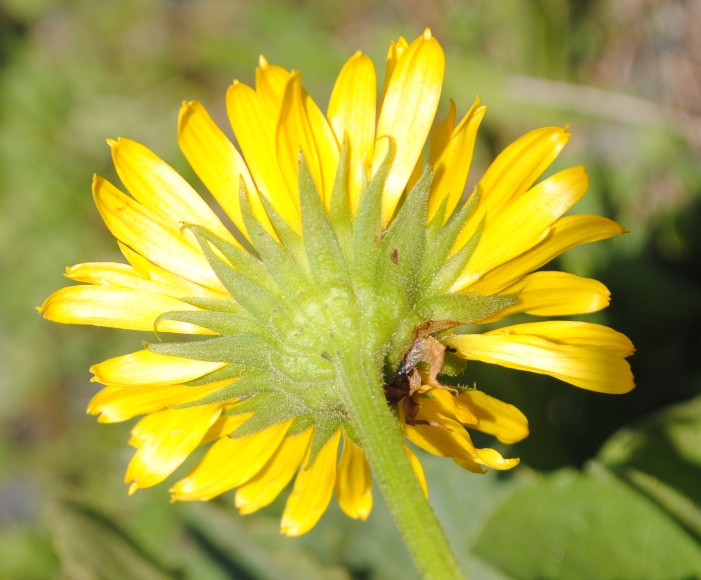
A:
(347, 289)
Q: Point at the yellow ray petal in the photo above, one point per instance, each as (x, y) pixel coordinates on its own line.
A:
(417, 469)
(270, 85)
(229, 463)
(451, 156)
(523, 223)
(565, 233)
(351, 113)
(561, 294)
(407, 112)
(312, 491)
(164, 440)
(442, 133)
(225, 425)
(492, 458)
(443, 402)
(353, 482)
(147, 368)
(157, 186)
(504, 421)
(255, 132)
(155, 239)
(303, 128)
(117, 276)
(177, 287)
(116, 308)
(217, 163)
(450, 440)
(555, 294)
(126, 276)
(586, 355)
(575, 333)
(513, 172)
(115, 404)
(394, 53)
(267, 484)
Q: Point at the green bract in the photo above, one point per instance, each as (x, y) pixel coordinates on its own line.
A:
(301, 304)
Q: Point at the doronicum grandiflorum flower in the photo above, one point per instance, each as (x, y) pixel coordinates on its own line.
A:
(352, 282)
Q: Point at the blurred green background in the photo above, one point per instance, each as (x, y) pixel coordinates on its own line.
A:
(609, 487)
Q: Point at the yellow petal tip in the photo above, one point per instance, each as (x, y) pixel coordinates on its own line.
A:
(427, 34)
(132, 489)
(263, 62)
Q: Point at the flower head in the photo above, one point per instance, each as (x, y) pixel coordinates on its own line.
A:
(344, 242)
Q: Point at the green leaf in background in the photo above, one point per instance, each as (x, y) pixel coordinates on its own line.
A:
(91, 547)
(584, 525)
(252, 548)
(662, 459)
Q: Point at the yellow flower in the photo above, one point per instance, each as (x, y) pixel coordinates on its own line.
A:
(344, 240)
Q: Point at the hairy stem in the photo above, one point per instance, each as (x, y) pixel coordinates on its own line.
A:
(361, 385)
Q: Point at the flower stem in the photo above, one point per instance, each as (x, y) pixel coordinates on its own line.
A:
(361, 384)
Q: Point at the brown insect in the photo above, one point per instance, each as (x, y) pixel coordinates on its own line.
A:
(407, 381)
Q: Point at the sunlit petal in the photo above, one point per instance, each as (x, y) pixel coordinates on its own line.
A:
(497, 418)
(217, 163)
(524, 222)
(267, 484)
(164, 440)
(353, 482)
(407, 112)
(565, 233)
(555, 294)
(312, 491)
(157, 240)
(229, 463)
(255, 133)
(351, 113)
(115, 404)
(586, 355)
(116, 308)
(147, 368)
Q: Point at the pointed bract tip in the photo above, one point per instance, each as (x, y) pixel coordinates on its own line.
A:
(427, 34)
(263, 62)
(112, 142)
(132, 489)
